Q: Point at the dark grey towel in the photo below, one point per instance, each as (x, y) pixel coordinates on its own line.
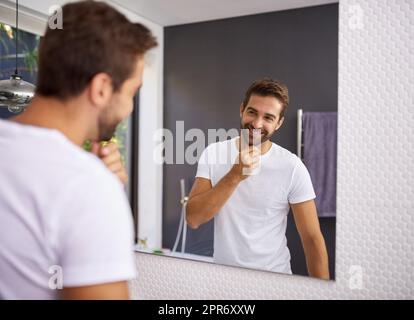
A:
(319, 156)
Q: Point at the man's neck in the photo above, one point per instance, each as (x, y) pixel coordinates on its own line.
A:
(53, 114)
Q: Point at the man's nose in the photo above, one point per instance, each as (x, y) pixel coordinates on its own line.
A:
(257, 123)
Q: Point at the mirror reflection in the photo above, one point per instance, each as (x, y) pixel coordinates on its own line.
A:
(249, 142)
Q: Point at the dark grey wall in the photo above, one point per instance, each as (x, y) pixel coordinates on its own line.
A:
(209, 65)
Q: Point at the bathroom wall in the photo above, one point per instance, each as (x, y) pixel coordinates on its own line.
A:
(375, 239)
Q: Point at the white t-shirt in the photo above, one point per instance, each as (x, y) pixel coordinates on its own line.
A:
(250, 229)
(61, 213)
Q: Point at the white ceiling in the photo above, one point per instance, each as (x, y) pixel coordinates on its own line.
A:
(173, 12)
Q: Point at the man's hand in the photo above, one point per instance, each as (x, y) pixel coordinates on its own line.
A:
(247, 161)
(111, 157)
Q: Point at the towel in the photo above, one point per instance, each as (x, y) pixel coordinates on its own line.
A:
(320, 157)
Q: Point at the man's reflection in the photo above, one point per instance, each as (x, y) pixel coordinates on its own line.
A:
(249, 195)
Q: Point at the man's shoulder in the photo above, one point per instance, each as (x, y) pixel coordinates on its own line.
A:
(93, 186)
(86, 179)
(281, 151)
(48, 150)
(94, 171)
(284, 156)
(73, 161)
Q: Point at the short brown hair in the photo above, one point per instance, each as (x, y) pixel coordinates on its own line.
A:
(269, 87)
(95, 38)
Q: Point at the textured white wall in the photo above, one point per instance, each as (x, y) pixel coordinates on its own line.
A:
(375, 225)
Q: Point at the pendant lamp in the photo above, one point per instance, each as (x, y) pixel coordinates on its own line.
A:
(15, 93)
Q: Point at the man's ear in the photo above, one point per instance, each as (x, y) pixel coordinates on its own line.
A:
(241, 110)
(279, 124)
(100, 90)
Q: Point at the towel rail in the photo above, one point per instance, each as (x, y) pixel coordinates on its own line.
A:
(299, 133)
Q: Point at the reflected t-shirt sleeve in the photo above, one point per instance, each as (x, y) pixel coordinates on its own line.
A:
(301, 188)
(203, 168)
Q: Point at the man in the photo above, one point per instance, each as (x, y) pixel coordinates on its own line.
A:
(249, 195)
(111, 156)
(64, 217)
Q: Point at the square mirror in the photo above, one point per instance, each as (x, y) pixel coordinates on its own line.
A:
(228, 71)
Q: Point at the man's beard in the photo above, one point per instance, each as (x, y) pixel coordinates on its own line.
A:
(264, 136)
(106, 132)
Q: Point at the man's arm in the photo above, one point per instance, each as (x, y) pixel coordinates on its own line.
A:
(205, 201)
(307, 223)
(106, 291)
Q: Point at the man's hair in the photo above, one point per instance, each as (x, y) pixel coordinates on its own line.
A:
(269, 87)
(95, 38)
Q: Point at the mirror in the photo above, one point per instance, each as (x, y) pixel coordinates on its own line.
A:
(243, 72)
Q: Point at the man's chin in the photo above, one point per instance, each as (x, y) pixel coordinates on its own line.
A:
(107, 134)
(105, 137)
